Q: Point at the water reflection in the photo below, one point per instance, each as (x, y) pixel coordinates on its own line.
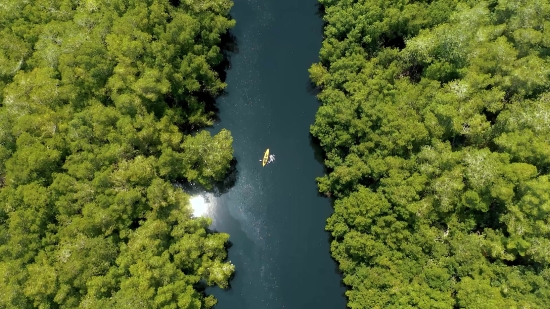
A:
(199, 205)
(204, 205)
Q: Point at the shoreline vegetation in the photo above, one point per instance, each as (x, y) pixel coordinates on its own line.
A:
(435, 123)
(98, 103)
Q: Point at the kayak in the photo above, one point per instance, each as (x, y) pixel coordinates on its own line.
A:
(266, 156)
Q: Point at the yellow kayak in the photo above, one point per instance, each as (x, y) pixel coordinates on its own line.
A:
(266, 156)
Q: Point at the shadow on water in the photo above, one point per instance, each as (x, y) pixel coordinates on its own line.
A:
(319, 156)
(228, 47)
(337, 270)
(320, 12)
(318, 152)
(312, 88)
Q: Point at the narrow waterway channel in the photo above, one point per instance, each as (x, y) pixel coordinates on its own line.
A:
(274, 216)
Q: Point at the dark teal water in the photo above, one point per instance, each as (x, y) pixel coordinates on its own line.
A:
(274, 216)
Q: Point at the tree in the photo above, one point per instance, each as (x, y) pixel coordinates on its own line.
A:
(93, 95)
(434, 122)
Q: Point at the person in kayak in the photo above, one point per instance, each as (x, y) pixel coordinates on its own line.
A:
(271, 159)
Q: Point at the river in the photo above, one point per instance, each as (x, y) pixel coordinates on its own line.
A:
(273, 214)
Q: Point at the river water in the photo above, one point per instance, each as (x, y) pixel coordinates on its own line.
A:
(273, 214)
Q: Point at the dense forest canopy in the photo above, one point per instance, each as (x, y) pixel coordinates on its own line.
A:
(96, 100)
(435, 120)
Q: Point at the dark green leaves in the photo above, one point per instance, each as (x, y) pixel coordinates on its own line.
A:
(435, 124)
(93, 93)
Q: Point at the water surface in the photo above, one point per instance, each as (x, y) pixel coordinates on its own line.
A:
(274, 216)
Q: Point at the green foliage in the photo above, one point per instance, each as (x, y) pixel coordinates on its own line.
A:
(435, 124)
(93, 93)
